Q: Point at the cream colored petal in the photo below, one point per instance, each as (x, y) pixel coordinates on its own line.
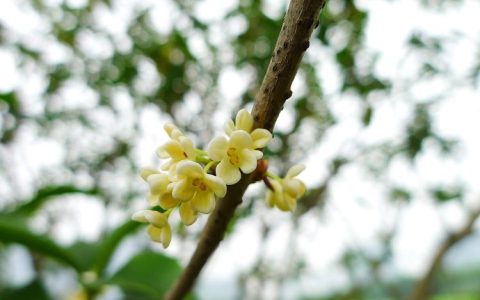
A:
(217, 148)
(156, 218)
(294, 187)
(203, 202)
(248, 161)
(261, 137)
(216, 184)
(172, 131)
(139, 216)
(187, 214)
(188, 148)
(270, 199)
(166, 166)
(295, 170)
(171, 149)
(145, 172)
(166, 236)
(258, 154)
(169, 128)
(240, 139)
(228, 172)
(162, 153)
(244, 120)
(187, 168)
(278, 198)
(229, 127)
(290, 202)
(155, 233)
(153, 200)
(183, 190)
(167, 201)
(158, 183)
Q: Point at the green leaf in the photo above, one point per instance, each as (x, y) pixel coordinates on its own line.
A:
(148, 275)
(11, 232)
(46, 193)
(96, 256)
(109, 245)
(33, 290)
(444, 194)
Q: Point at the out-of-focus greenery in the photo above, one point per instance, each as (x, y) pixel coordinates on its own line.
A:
(92, 69)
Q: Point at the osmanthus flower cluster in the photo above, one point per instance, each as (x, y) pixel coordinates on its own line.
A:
(192, 179)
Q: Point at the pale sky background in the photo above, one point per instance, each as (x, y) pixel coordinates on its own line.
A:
(357, 210)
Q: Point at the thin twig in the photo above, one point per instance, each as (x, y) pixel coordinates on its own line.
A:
(300, 20)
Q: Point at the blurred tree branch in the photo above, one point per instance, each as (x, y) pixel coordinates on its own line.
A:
(293, 41)
(422, 288)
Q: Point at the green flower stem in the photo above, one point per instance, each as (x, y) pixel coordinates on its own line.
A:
(208, 166)
(200, 152)
(202, 159)
(168, 212)
(273, 176)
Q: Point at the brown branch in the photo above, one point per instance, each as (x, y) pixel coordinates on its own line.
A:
(300, 20)
(422, 288)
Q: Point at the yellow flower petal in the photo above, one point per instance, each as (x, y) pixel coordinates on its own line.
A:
(290, 202)
(244, 120)
(295, 170)
(171, 149)
(229, 127)
(248, 161)
(155, 233)
(216, 185)
(153, 199)
(172, 131)
(261, 137)
(139, 216)
(188, 148)
(187, 214)
(228, 172)
(217, 148)
(155, 218)
(203, 202)
(145, 172)
(240, 139)
(258, 154)
(158, 183)
(166, 236)
(167, 201)
(182, 190)
(187, 168)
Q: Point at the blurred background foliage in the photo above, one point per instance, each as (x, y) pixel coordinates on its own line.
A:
(87, 85)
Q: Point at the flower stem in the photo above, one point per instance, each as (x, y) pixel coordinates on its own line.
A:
(208, 166)
(271, 175)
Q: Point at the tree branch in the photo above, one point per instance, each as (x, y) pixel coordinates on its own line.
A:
(300, 20)
(421, 290)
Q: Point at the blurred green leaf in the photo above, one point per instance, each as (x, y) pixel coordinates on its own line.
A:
(110, 243)
(33, 290)
(444, 194)
(49, 192)
(11, 232)
(148, 275)
(400, 194)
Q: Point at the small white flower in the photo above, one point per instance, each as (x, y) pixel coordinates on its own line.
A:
(237, 153)
(244, 121)
(178, 148)
(197, 187)
(287, 191)
(159, 229)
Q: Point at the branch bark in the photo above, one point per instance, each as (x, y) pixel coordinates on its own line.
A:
(422, 288)
(300, 20)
